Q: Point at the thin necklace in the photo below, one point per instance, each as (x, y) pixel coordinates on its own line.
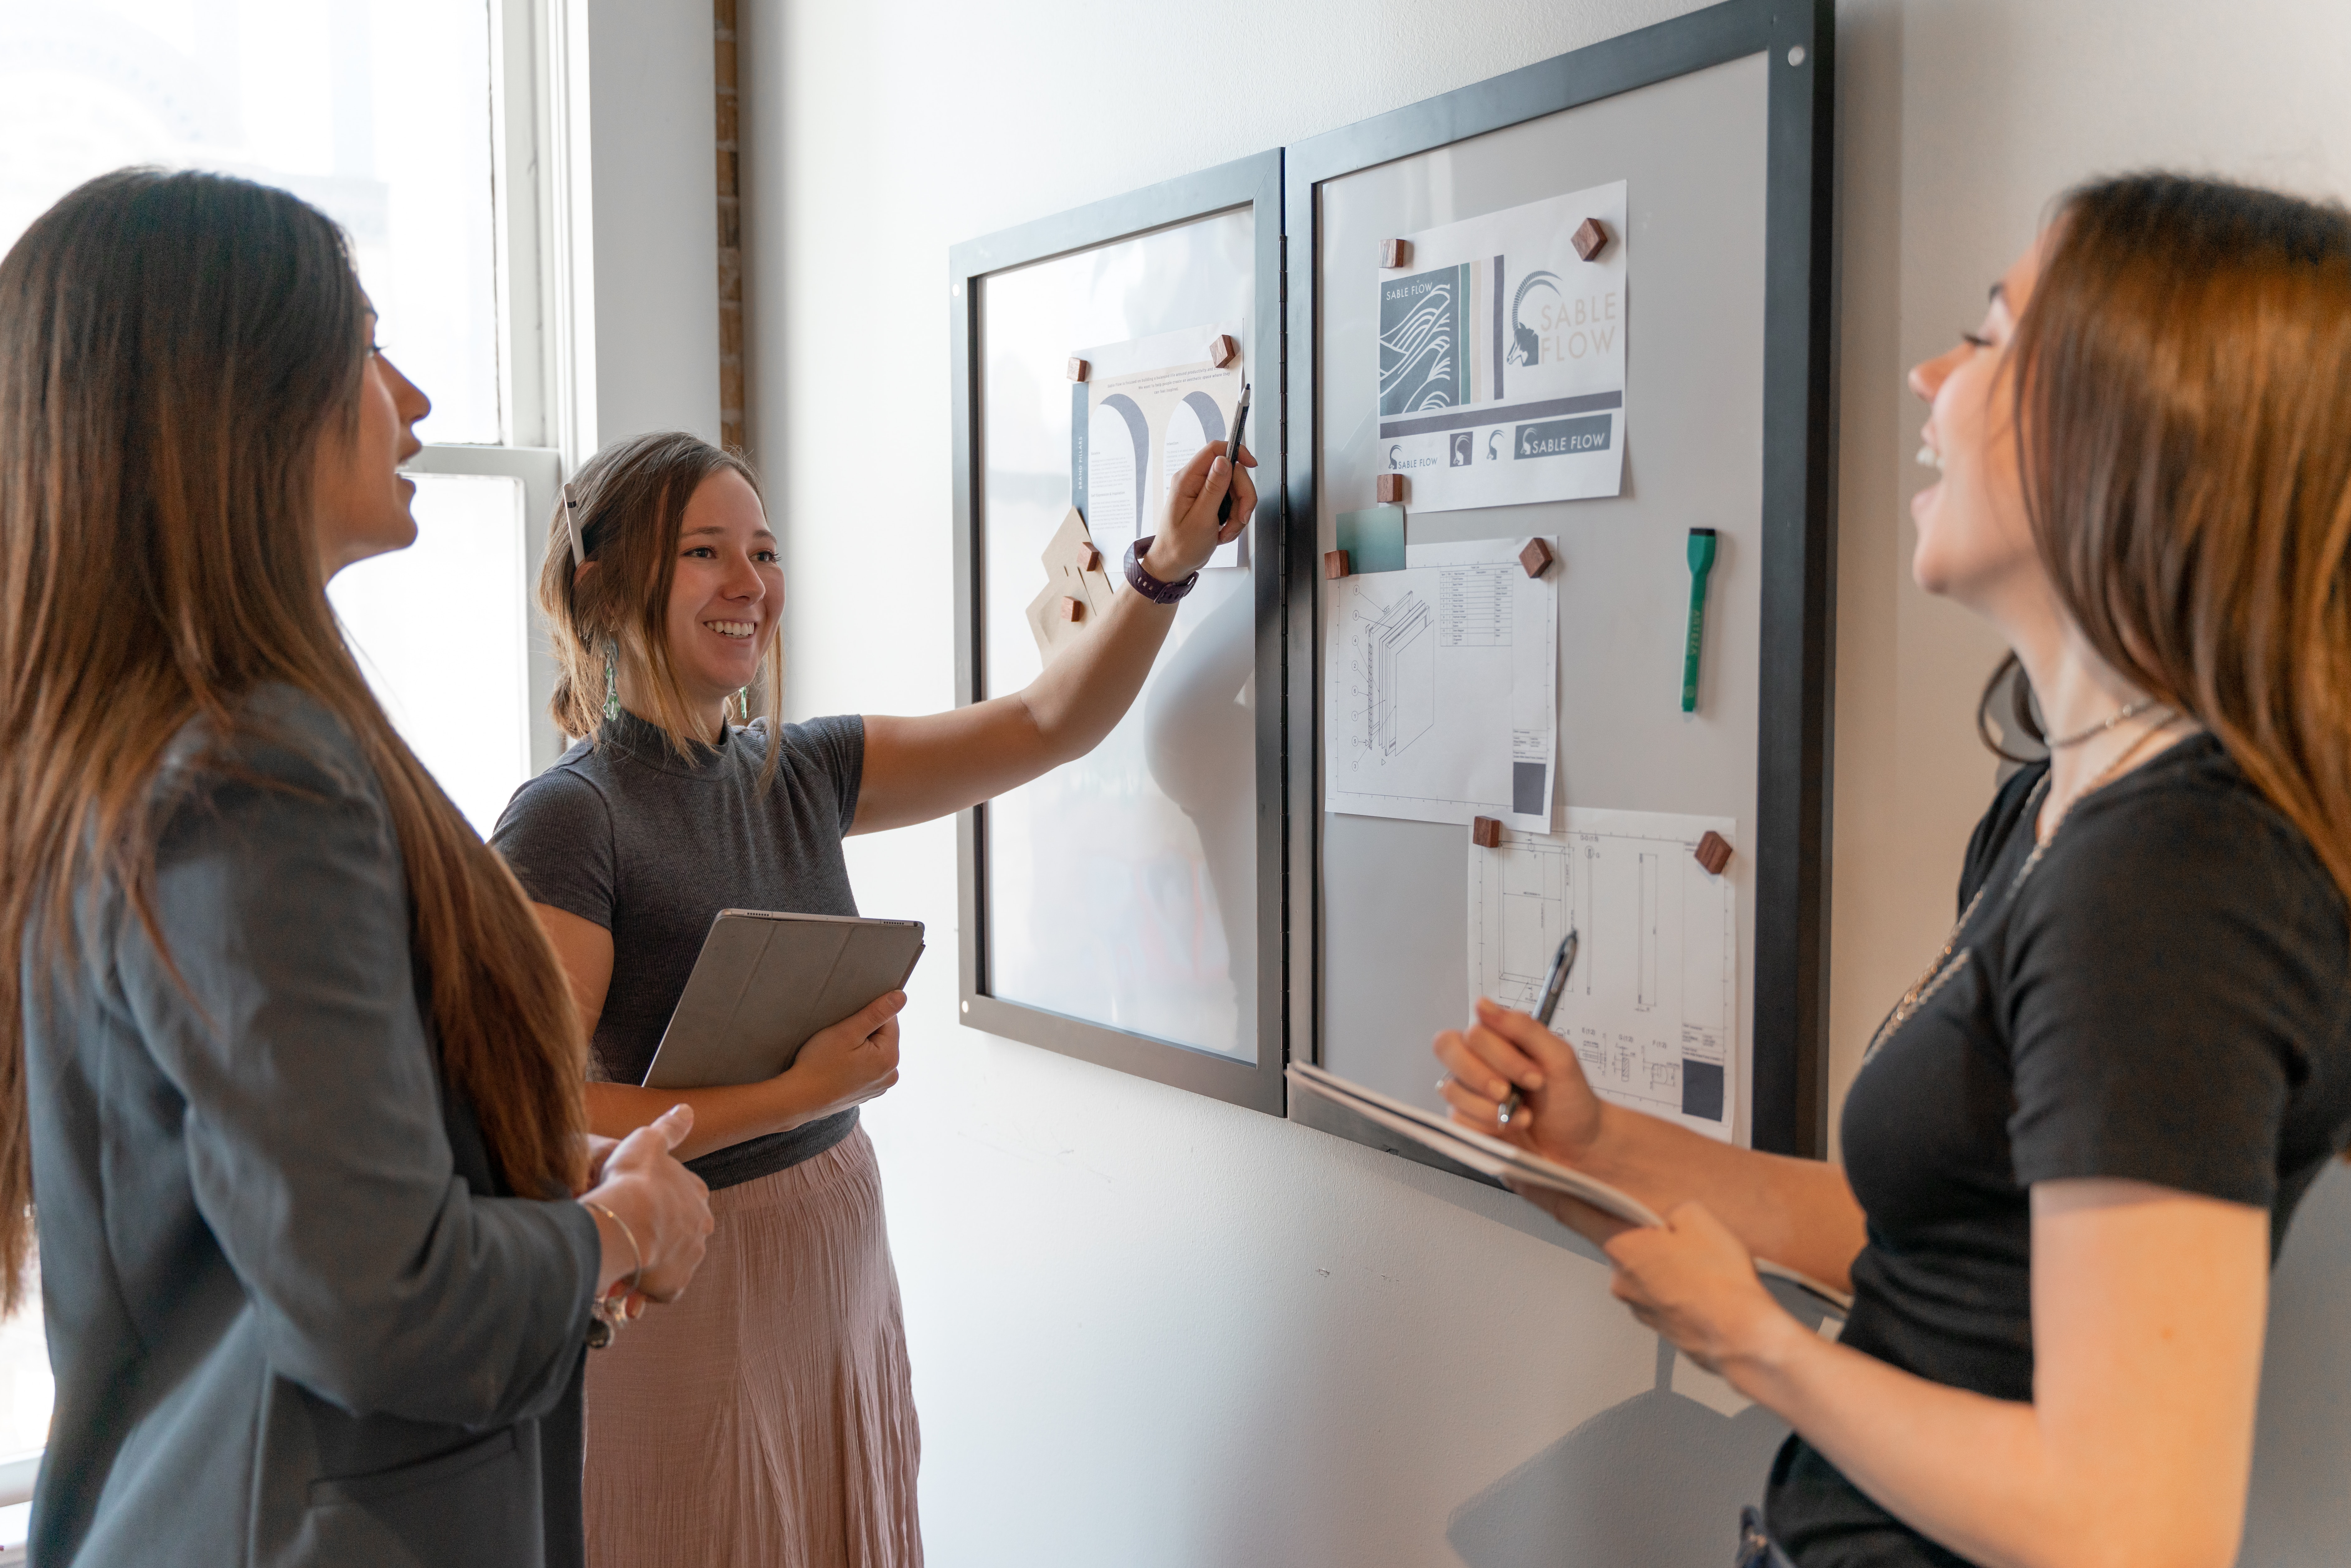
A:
(2128, 710)
(1944, 965)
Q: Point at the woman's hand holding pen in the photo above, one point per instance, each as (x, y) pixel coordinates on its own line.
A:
(1692, 1280)
(1559, 1117)
(1192, 532)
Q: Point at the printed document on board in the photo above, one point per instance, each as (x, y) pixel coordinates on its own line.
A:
(1652, 1006)
(1439, 696)
(1502, 356)
(1144, 412)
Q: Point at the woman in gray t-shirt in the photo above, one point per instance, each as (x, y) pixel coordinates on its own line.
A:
(767, 1417)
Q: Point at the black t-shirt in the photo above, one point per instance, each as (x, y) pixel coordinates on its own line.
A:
(652, 846)
(2165, 997)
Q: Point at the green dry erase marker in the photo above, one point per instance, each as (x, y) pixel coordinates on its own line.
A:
(1701, 562)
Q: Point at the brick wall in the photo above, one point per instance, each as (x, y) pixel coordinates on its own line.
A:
(730, 233)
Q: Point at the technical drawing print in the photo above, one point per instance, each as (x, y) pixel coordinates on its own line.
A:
(1439, 683)
(1400, 685)
(1651, 1007)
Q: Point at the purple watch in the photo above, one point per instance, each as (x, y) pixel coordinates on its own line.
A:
(1146, 584)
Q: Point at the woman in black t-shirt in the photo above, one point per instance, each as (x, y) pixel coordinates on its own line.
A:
(2076, 1142)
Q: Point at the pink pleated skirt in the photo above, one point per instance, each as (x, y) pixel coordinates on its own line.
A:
(766, 1419)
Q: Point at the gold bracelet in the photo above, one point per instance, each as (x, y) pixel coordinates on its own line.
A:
(605, 1319)
(638, 1272)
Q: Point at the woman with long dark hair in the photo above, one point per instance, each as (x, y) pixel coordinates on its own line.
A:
(2073, 1151)
(287, 1071)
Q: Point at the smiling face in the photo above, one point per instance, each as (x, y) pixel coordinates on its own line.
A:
(727, 593)
(361, 498)
(1975, 541)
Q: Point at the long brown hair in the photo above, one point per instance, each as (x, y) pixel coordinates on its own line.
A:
(2183, 415)
(628, 502)
(174, 348)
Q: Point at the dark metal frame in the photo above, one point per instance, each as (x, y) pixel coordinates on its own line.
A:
(1788, 1112)
(1254, 183)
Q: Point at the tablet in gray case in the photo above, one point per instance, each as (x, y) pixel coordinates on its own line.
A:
(766, 982)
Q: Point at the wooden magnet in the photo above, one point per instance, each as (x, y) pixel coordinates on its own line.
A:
(1535, 558)
(1089, 559)
(1223, 351)
(1713, 852)
(1070, 609)
(1486, 832)
(1389, 489)
(1335, 565)
(1396, 253)
(1589, 238)
(1079, 369)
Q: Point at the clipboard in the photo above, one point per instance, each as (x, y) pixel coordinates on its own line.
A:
(766, 982)
(1330, 1103)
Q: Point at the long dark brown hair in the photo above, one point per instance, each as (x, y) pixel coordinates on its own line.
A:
(173, 350)
(628, 502)
(2183, 417)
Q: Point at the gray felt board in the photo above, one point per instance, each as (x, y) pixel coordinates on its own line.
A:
(1394, 905)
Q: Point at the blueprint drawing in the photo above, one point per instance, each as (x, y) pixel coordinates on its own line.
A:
(1652, 1005)
(1438, 689)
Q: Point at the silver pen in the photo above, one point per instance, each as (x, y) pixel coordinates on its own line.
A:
(1563, 963)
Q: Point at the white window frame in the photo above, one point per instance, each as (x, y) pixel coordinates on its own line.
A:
(542, 214)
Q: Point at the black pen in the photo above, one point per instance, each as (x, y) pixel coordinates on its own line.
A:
(1233, 455)
(1563, 963)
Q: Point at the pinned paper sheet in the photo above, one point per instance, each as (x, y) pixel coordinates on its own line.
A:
(1440, 688)
(1067, 577)
(1502, 356)
(1147, 409)
(1652, 1006)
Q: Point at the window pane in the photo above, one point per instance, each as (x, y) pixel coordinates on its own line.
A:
(377, 112)
(443, 631)
(25, 1388)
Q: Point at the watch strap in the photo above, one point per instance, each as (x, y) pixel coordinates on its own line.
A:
(1146, 584)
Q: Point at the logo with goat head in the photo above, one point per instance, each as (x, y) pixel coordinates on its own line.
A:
(1526, 346)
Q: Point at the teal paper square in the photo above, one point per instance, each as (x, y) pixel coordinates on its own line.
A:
(1372, 539)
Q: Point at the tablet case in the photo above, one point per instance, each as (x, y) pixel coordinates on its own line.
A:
(766, 982)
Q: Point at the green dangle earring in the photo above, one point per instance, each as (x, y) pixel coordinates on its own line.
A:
(611, 682)
(743, 704)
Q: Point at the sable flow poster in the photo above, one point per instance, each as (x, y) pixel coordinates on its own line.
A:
(1146, 410)
(1502, 358)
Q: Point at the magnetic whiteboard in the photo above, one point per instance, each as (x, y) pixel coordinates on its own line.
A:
(1388, 966)
(1126, 907)
(1122, 883)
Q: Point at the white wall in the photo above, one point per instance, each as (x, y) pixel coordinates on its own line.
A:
(652, 161)
(1148, 1329)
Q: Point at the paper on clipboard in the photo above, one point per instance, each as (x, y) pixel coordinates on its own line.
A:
(1471, 1153)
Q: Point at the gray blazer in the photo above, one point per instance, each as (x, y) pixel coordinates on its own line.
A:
(291, 1317)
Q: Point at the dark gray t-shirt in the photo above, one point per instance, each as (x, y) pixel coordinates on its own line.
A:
(651, 846)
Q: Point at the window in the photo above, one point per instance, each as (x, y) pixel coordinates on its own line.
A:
(418, 126)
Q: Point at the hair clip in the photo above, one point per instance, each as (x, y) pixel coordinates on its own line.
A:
(572, 527)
